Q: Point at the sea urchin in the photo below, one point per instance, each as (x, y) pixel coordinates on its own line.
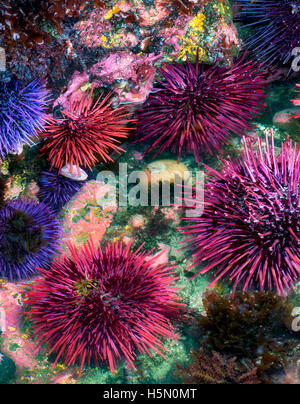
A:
(22, 114)
(196, 106)
(56, 190)
(86, 132)
(250, 229)
(29, 234)
(182, 7)
(277, 27)
(103, 303)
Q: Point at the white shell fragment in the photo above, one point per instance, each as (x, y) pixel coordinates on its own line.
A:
(77, 173)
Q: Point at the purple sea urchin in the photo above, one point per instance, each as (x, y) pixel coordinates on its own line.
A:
(57, 190)
(29, 234)
(22, 113)
(250, 230)
(196, 107)
(277, 27)
(103, 303)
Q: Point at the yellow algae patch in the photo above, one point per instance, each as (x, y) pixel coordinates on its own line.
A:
(112, 12)
(111, 40)
(191, 42)
(190, 47)
(86, 87)
(25, 336)
(197, 22)
(223, 8)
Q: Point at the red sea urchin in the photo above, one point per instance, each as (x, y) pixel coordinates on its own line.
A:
(250, 230)
(103, 303)
(86, 132)
(195, 107)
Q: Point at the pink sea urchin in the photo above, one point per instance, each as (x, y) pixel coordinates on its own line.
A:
(250, 230)
(197, 106)
(102, 304)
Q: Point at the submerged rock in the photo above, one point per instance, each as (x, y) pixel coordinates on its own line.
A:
(170, 171)
(7, 369)
(85, 217)
(284, 120)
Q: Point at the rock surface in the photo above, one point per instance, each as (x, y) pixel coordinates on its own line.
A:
(7, 369)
